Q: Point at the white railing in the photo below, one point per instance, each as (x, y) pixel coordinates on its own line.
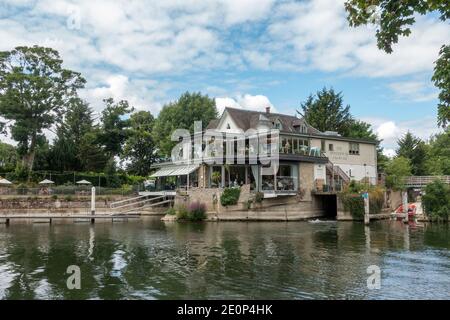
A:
(419, 181)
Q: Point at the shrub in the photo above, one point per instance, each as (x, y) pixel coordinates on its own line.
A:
(354, 204)
(259, 197)
(376, 200)
(54, 197)
(436, 200)
(230, 196)
(182, 212)
(68, 198)
(197, 211)
(171, 211)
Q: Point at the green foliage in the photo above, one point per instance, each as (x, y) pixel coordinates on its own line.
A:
(414, 149)
(376, 200)
(33, 82)
(230, 196)
(68, 151)
(182, 212)
(395, 19)
(436, 200)
(441, 79)
(139, 148)
(259, 197)
(325, 111)
(8, 157)
(354, 204)
(396, 170)
(355, 187)
(197, 211)
(216, 177)
(181, 114)
(171, 211)
(114, 126)
(438, 155)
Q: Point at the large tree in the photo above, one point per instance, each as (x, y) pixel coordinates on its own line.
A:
(394, 19)
(139, 149)
(414, 149)
(34, 90)
(326, 112)
(396, 170)
(114, 126)
(66, 151)
(181, 114)
(438, 155)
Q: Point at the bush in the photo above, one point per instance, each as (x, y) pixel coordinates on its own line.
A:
(436, 200)
(376, 200)
(182, 212)
(171, 211)
(259, 197)
(354, 204)
(230, 196)
(197, 211)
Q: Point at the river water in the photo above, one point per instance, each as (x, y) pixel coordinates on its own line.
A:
(150, 259)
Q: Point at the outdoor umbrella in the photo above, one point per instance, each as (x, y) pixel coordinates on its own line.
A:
(83, 182)
(46, 181)
(5, 182)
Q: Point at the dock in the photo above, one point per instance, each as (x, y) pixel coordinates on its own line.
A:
(6, 219)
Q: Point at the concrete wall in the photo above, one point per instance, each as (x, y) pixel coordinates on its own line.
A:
(281, 208)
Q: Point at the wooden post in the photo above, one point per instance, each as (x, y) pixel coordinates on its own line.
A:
(366, 208)
(405, 205)
(92, 204)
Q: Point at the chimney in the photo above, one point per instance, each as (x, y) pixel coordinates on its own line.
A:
(267, 109)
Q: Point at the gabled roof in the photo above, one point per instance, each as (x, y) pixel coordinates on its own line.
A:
(246, 119)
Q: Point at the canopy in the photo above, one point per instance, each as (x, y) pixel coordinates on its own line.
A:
(83, 182)
(46, 181)
(175, 171)
(4, 181)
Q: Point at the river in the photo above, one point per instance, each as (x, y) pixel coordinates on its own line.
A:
(150, 259)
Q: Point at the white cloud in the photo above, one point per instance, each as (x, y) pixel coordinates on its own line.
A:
(390, 131)
(417, 91)
(246, 101)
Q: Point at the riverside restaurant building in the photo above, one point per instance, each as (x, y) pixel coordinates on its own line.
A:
(307, 159)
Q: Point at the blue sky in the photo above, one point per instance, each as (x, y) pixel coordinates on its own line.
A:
(245, 53)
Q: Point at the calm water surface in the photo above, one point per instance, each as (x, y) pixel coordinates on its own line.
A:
(149, 259)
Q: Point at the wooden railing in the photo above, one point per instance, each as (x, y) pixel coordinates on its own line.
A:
(421, 181)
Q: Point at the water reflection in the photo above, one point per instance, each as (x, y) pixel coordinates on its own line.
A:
(297, 260)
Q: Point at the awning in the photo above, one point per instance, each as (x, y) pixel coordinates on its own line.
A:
(175, 171)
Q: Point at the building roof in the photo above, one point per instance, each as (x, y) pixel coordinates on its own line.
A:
(246, 119)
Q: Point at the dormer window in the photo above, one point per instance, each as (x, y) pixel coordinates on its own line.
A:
(303, 129)
(277, 125)
(228, 126)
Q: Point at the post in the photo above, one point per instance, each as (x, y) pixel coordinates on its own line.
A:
(92, 204)
(405, 205)
(366, 208)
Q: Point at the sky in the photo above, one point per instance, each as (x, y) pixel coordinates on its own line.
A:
(244, 53)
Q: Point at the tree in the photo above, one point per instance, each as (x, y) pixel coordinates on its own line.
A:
(8, 157)
(441, 80)
(139, 148)
(114, 125)
(395, 18)
(66, 153)
(362, 130)
(438, 156)
(396, 170)
(436, 200)
(34, 89)
(414, 149)
(181, 114)
(325, 111)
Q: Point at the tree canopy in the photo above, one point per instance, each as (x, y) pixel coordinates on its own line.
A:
(181, 114)
(394, 20)
(414, 149)
(34, 90)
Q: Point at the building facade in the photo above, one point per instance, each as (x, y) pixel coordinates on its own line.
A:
(306, 158)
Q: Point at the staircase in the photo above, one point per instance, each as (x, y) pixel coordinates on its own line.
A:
(139, 203)
(336, 171)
